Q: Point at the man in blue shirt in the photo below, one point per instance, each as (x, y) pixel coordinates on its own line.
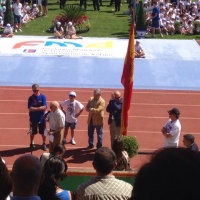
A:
(114, 108)
(155, 20)
(37, 105)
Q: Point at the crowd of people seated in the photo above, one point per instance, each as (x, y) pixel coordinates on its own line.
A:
(176, 17)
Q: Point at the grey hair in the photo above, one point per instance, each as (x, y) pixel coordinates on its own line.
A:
(97, 91)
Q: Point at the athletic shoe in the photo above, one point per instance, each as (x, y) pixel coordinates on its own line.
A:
(73, 141)
(15, 30)
(20, 30)
(44, 147)
(32, 146)
(64, 141)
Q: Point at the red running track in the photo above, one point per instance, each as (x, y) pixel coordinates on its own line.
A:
(148, 113)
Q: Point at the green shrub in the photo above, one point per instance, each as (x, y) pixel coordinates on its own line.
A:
(177, 26)
(196, 27)
(130, 145)
(141, 18)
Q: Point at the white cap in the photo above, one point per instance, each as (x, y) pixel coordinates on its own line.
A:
(58, 23)
(69, 23)
(0, 17)
(8, 25)
(28, 8)
(72, 93)
(34, 5)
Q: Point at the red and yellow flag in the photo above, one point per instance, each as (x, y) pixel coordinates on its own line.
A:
(127, 81)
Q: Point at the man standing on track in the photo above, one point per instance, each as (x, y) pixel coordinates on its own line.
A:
(171, 130)
(95, 107)
(37, 105)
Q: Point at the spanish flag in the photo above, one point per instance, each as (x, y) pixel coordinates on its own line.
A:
(127, 81)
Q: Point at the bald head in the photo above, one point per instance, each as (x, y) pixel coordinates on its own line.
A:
(54, 105)
(26, 175)
(117, 95)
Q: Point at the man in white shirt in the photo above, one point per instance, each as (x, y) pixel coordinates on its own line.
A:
(56, 119)
(172, 128)
(72, 109)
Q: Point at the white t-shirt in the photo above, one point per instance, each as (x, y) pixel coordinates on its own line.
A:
(17, 9)
(56, 119)
(71, 109)
(173, 128)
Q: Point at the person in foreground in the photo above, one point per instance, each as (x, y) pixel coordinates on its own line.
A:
(54, 171)
(172, 173)
(26, 177)
(188, 141)
(8, 31)
(104, 185)
(171, 130)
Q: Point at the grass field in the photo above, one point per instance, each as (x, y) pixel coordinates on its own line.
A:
(104, 23)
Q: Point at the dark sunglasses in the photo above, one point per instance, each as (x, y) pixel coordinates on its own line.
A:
(35, 90)
(71, 95)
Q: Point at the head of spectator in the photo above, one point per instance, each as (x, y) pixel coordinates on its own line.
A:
(72, 96)
(118, 146)
(26, 176)
(104, 161)
(188, 139)
(172, 173)
(58, 24)
(36, 89)
(5, 181)
(97, 94)
(54, 171)
(174, 113)
(54, 105)
(59, 150)
(69, 24)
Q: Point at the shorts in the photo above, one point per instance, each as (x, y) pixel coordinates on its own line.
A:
(17, 19)
(71, 125)
(37, 128)
(155, 24)
(44, 2)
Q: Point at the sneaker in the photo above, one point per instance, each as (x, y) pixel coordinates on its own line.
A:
(90, 147)
(15, 30)
(44, 147)
(32, 146)
(161, 35)
(64, 141)
(73, 141)
(20, 29)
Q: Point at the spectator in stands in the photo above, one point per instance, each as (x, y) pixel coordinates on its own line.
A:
(171, 130)
(26, 177)
(17, 11)
(139, 52)
(188, 141)
(58, 30)
(44, 7)
(123, 160)
(72, 109)
(5, 181)
(172, 173)
(54, 171)
(155, 24)
(114, 108)
(58, 150)
(56, 119)
(104, 185)
(71, 32)
(34, 12)
(8, 31)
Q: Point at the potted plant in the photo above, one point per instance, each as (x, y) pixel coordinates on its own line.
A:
(141, 21)
(8, 17)
(130, 145)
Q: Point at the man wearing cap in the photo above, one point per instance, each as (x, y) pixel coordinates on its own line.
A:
(37, 105)
(72, 109)
(171, 130)
(95, 108)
